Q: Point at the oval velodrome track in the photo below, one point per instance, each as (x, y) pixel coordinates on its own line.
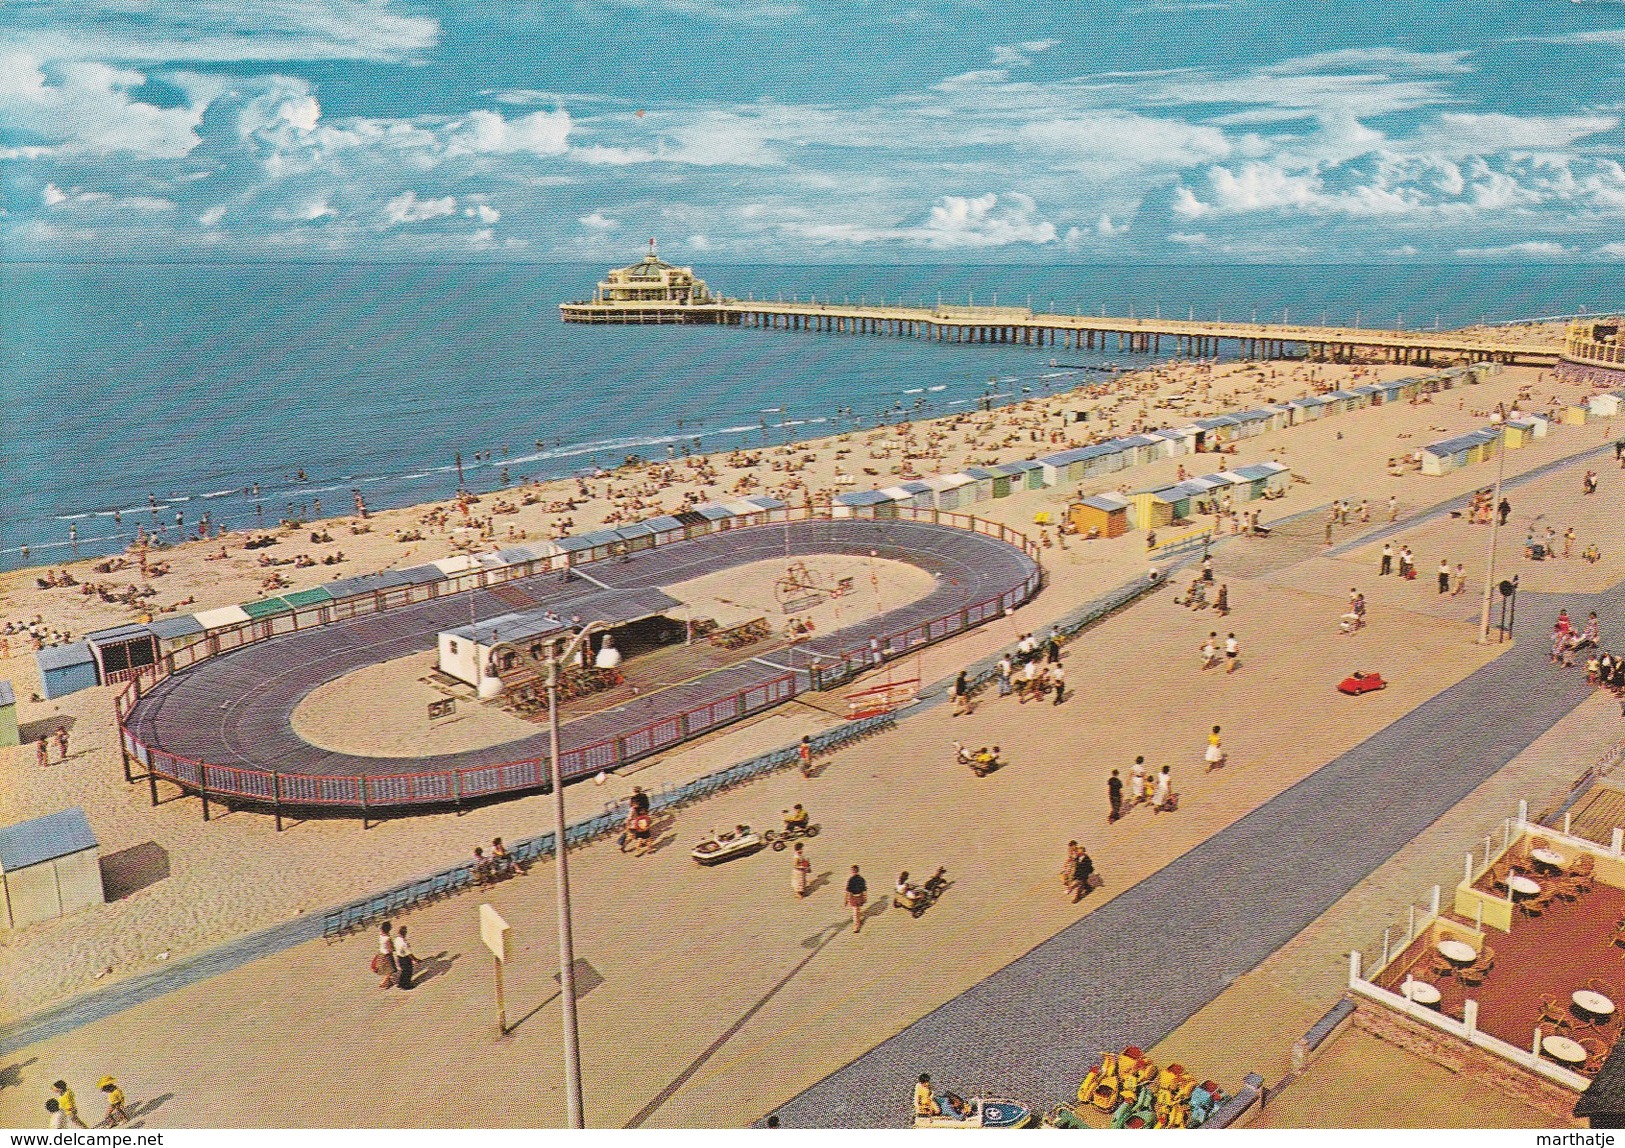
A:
(235, 709)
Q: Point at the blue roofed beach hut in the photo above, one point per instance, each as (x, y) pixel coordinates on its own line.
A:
(856, 504)
(666, 529)
(984, 482)
(66, 669)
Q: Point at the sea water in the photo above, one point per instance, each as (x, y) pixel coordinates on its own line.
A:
(129, 386)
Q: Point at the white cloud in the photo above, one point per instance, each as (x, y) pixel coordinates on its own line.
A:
(1188, 238)
(720, 11)
(954, 222)
(212, 217)
(1011, 55)
(87, 109)
(1539, 249)
(483, 212)
(408, 208)
(53, 195)
(598, 221)
(541, 133)
(1614, 249)
(219, 30)
(1105, 226)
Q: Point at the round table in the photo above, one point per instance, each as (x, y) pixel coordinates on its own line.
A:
(1521, 885)
(1562, 1048)
(1421, 992)
(1593, 1002)
(1458, 951)
(1549, 858)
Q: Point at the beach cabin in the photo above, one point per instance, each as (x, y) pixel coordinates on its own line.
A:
(1161, 508)
(1032, 473)
(772, 506)
(1604, 406)
(1389, 392)
(122, 652)
(636, 536)
(1518, 433)
(602, 544)
(1106, 458)
(856, 503)
(743, 512)
(1174, 442)
(1370, 392)
(718, 515)
(8, 715)
(1449, 454)
(666, 528)
(1105, 513)
(1205, 492)
(1138, 449)
(1305, 409)
(1004, 479)
(909, 494)
(1250, 423)
(983, 480)
(1215, 431)
(694, 523)
(944, 491)
(49, 867)
(1539, 422)
(1349, 400)
(1063, 466)
(66, 669)
(576, 550)
(465, 653)
(1251, 482)
(176, 633)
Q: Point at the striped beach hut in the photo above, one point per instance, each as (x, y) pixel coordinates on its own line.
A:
(1006, 479)
(577, 549)
(717, 514)
(744, 512)
(666, 529)
(1175, 442)
(912, 494)
(856, 504)
(984, 481)
(1307, 409)
(637, 536)
(1215, 431)
(1251, 422)
(695, 524)
(1064, 466)
(1449, 453)
(768, 503)
(945, 490)
(176, 633)
(1032, 473)
(1391, 391)
(965, 484)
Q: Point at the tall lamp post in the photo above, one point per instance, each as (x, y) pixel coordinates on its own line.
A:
(1495, 528)
(560, 651)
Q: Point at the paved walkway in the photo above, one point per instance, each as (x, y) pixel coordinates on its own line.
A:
(1136, 968)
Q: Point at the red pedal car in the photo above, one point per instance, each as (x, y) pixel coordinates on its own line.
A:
(1362, 683)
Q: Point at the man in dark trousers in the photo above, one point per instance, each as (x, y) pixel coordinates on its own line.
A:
(1114, 793)
(857, 892)
(1505, 510)
(1083, 872)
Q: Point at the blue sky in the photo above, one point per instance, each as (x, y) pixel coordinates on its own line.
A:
(796, 130)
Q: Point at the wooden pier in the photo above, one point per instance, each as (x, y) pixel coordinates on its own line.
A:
(1191, 338)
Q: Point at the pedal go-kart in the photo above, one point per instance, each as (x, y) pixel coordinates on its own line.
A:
(782, 838)
(1361, 683)
(980, 1112)
(918, 898)
(715, 848)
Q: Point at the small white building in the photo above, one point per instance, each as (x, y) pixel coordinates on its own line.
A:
(49, 867)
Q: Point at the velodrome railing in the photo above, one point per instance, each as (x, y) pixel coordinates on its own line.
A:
(338, 921)
(362, 794)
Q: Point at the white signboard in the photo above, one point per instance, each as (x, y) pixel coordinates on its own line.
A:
(494, 932)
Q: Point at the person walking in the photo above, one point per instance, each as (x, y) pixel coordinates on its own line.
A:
(1393, 508)
(1162, 799)
(1568, 542)
(62, 742)
(1136, 781)
(70, 1106)
(800, 872)
(44, 752)
(1114, 794)
(1057, 678)
(961, 693)
(1232, 653)
(404, 960)
(1052, 649)
(1221, 603)
(857, 893)
(1460, 582)
(1504, 510)
(383, 961)
(1006, 668)
(1083, 874)
(116, 1113)
(1444, 575)
(804, 755)
(1215, 751)
(1210, 650)
(1207, 568)
(1387, 559)
(58, 1118)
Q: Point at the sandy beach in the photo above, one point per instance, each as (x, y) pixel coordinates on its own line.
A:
(270, 876)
